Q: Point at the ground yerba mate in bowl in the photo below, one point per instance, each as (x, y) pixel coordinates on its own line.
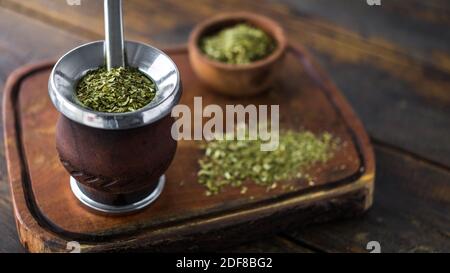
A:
(237, 54)
(119, 90)
(238, 44)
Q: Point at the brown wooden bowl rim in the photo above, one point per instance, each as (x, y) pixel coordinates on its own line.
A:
(271, 27)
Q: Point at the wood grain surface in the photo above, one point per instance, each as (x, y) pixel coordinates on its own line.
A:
(392, 63)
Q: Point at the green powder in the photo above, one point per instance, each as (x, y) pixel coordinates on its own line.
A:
(117, 91)
(233, 162)
(240, 44)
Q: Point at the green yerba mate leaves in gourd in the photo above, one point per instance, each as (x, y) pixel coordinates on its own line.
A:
(240, 44)
(117, 91)
(233, 162)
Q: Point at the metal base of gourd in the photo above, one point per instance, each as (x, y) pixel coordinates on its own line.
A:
(111, 209)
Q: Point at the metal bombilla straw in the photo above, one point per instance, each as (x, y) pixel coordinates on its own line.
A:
(114, 44)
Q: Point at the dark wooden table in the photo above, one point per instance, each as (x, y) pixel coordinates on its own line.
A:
(391, 61)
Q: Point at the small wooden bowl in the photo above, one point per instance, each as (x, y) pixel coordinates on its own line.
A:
(237, 80)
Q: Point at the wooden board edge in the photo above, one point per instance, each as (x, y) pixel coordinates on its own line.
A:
(31, 234)
(350, 200)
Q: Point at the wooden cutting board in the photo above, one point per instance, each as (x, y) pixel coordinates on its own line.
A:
(48, 216)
